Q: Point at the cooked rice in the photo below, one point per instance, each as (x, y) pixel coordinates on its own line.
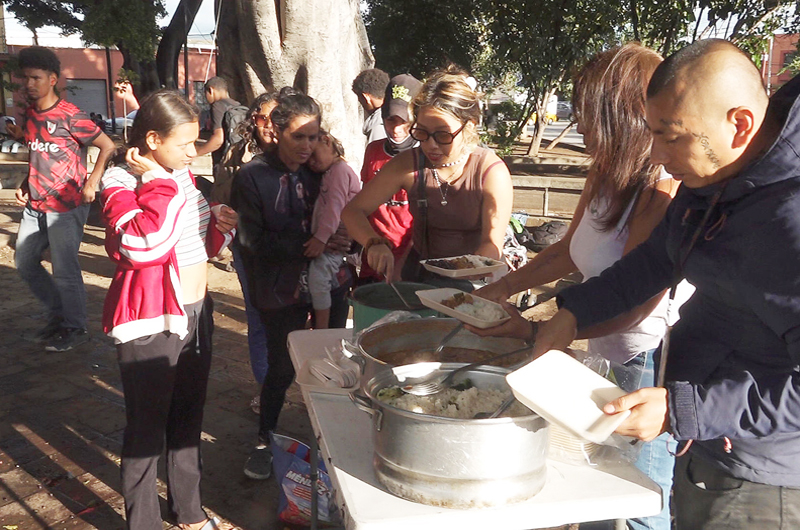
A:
(481, 310)
(451, 403)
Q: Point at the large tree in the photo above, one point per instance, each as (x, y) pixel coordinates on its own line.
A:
(317, 46)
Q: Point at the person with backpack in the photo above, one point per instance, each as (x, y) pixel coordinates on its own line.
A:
(216, 90)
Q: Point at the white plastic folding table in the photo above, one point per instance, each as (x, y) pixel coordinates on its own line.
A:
(572, 493)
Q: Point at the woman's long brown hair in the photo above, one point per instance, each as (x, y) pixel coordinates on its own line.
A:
(609, 102)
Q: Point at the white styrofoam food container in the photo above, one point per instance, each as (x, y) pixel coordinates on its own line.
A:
(483, 266)
(433, 298)
(564, 391)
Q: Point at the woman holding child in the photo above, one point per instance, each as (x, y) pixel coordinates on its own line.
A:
(274, 195)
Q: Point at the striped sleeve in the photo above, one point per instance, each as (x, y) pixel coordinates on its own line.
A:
(147, 218)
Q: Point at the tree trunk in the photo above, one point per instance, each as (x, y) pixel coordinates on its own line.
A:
(145, 79)
(560, 137)
(541, 117)
(318, 46)
(169, 48)
(112, 111)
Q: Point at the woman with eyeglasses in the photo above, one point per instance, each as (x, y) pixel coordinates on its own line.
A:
(257, 136)
(460, 195)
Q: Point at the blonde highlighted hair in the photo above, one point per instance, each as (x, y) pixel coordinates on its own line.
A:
(609, 102)
(448, 91)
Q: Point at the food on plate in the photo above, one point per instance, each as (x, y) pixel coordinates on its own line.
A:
(461, 262)
(456, 402)
(474, 307)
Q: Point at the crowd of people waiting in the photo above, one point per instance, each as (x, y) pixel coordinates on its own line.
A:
(688, 177)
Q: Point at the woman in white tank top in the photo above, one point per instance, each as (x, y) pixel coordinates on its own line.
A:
(623, 200)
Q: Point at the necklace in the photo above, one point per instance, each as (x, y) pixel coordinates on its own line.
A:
(451, 164)
(442, 190)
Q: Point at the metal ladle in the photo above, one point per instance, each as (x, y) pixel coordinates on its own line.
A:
(400, 296)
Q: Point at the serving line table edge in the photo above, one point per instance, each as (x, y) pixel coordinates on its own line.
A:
(572, 493)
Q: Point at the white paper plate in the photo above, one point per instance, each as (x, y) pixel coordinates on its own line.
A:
(565, 392)
(478, 270)
(433, 298)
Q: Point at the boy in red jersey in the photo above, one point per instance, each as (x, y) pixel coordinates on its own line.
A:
(391, 220)
(56, 196)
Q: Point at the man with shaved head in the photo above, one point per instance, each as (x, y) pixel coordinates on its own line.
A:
(732, 370)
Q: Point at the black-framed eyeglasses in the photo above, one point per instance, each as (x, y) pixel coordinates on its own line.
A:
(440, 137)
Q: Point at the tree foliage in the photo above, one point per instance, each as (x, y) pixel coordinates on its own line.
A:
(130, 25)
(531, 48)
(417, 36)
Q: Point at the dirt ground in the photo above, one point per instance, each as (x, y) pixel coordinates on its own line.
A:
(62, 414)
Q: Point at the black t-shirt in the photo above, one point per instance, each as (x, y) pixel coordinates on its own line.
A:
(218, 109)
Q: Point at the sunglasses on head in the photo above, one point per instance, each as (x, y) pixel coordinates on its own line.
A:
(440, 137)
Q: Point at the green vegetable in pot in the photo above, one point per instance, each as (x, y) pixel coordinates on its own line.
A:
(466, 384)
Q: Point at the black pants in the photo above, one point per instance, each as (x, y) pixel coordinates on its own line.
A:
(279, 323)
(164, 380)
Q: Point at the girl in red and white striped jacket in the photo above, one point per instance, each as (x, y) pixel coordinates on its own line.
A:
(160, 232)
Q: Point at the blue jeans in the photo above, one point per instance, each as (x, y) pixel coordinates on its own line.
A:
(62, 293)
(655, 459)
(256, 332)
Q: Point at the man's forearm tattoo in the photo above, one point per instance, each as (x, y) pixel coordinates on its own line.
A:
(710, 154)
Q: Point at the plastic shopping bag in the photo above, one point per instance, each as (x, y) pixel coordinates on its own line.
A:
(292, 466)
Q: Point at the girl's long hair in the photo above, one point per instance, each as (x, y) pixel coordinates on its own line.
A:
(162, 111)
(609, 101)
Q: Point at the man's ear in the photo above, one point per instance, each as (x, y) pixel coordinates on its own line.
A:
(53, 79)
(153, 140)
(744, 121)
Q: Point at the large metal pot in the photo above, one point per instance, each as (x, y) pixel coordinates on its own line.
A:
(455, 463)
(412, 341)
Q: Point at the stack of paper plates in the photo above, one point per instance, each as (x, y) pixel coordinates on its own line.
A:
(566, 446)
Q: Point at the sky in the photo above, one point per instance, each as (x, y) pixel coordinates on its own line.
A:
(50, 36)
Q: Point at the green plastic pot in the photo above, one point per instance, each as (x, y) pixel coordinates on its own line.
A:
(373, 301)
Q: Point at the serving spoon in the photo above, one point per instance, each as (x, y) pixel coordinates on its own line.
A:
(437, 383)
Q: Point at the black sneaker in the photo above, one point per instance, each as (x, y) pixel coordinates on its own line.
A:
(259, 463)
(67, 339)
(47, 333)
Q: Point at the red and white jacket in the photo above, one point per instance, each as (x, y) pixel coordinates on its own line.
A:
(143, 225)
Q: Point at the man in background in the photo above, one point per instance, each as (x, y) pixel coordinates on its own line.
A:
(216, 90)
(370, 86)
(393, 219)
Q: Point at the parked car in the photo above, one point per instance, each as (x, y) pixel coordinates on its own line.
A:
(564, 110)
(121, 122)
(549, 118)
